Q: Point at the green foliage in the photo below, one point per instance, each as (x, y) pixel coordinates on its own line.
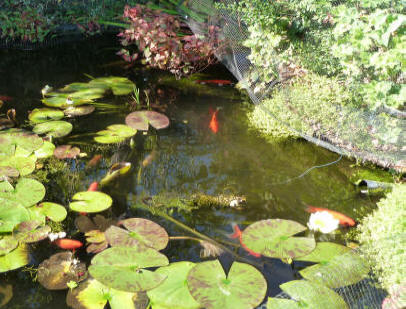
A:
(382, 235)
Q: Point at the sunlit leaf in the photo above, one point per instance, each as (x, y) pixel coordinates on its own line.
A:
(90, 201)
(324, 252)
(11, 214)
(46, 150)
(24, 165)
(79, 110)
(115, 133)
(15, 259)
(11, 138)
(39, 115)
(7, 244)
(57, 128)
(32, 231)
(26, 193)
(142, 119)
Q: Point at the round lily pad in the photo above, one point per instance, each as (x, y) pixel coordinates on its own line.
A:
(324, 252)
(66, 152)
(60, 100)
(53, 211)
(55, 272)
(79, 110)
(307, 294)
(118, 85)
(139, 232)
(273, 238)
(15, 259)
(243, 287)
(92, 294)
(90, 201)
(7, 171)
(341, 270)
(40, 115)
(7, 244)
(115, 133)
(96, 240)
(11, 214)
(73, 87)
(173, 292)
(98, 222)
(46, 150)
(124, 268)
(56, 128)
(26, 193)
(11, 138)
(32, 231)
(24, 165)
(142, 119)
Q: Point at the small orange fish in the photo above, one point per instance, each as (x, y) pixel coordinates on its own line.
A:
(5, 98)
(93, 162)
(344, 220)
(214, 124)
(68, 244)
(238, 234)
(93, 186)
(218, 82)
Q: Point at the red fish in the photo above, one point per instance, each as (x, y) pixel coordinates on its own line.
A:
(344, 220)
(93, 186)
(214, 124)
(218, 82)
(238, 234)
(94, 161)
(5, 98)
(68, 244)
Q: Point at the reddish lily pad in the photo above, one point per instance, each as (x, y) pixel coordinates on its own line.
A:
(32, 231)
(243, 287)
(57, 128)
(96, 240)
(139, 232)
(90, 202)
(8, 171)
(15, 259)
(273, 238)
(55, 272)
(66, 152)
(124, 268)
(142, 119)
(79, 110)
(40, 115)
(7, 244)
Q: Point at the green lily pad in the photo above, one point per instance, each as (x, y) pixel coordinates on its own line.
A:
(11, 214)
(307, 294)
(243, 287)
(341, 270)
(73, 87)
(60, 101)
(324, 252)
(26, 193)
(15, 259)
(273, 238)
(40, 115)
(139, 232)
(11, 138)
(96, 240)
(66, 152)
(124, 268)
(53, 211)
(142, 119)
(173, 292)
(8, 171)
(7, 244)
(79, 110)
(92, 294)
(55, 272)
(56, 128)
(46, 150)
(90, 201)
(115, 133)
(118, 85)
(24, 165)
(32, 231)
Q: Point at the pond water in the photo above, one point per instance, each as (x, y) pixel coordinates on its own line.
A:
(182, 160)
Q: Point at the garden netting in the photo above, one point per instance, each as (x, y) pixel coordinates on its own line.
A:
(366, 134)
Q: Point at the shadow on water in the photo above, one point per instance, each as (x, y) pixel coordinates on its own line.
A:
(184, 159)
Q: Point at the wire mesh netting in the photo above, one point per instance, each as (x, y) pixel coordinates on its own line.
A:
(377, 136)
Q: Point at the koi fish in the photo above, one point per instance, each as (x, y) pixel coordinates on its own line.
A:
(344, 220)
(218, 82)
(93, 186)
(214, 125)
(93, 162)
(68, 244)
(5, 98)
(237, 234)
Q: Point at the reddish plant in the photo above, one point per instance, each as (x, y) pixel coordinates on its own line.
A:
(166, 42)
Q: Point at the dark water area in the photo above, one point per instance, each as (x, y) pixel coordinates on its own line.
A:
(186, 158)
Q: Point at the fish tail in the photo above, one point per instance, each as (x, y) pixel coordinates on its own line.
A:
(236, 231)
(311, 209)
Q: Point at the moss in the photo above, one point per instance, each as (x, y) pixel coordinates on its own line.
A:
(382, 236)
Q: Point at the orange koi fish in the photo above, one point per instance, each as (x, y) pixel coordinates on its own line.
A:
(93, 162)
(68, 244)
(214, 125)
(344, 220)
(93, 186)
(218, 82)
(238, 234)
(5, 98)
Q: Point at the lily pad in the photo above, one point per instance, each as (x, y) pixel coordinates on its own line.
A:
(11, 214)
(73, 87)
(40, 115)
(98, 222)
(7, 171)
(7, 244)
(26, 193)
(173, 292)
(341, 270)
(139, 232)
(32, 231)
(124, 268)
(24, 165)
(307, 294)
(60, 101)
(15, 259)
(92, 294)
(46, 150)
(142, 119)
(96, 240)
(79, 110)
(118, 85)
(56, 128)
(115, 133)
(66, 152)
(274, 238)
(90, 201)
(324, 252)
(55, 272)
(53, 211)
(243, 287)
(10, 139)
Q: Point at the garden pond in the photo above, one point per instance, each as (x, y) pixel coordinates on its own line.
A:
(195, 180)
